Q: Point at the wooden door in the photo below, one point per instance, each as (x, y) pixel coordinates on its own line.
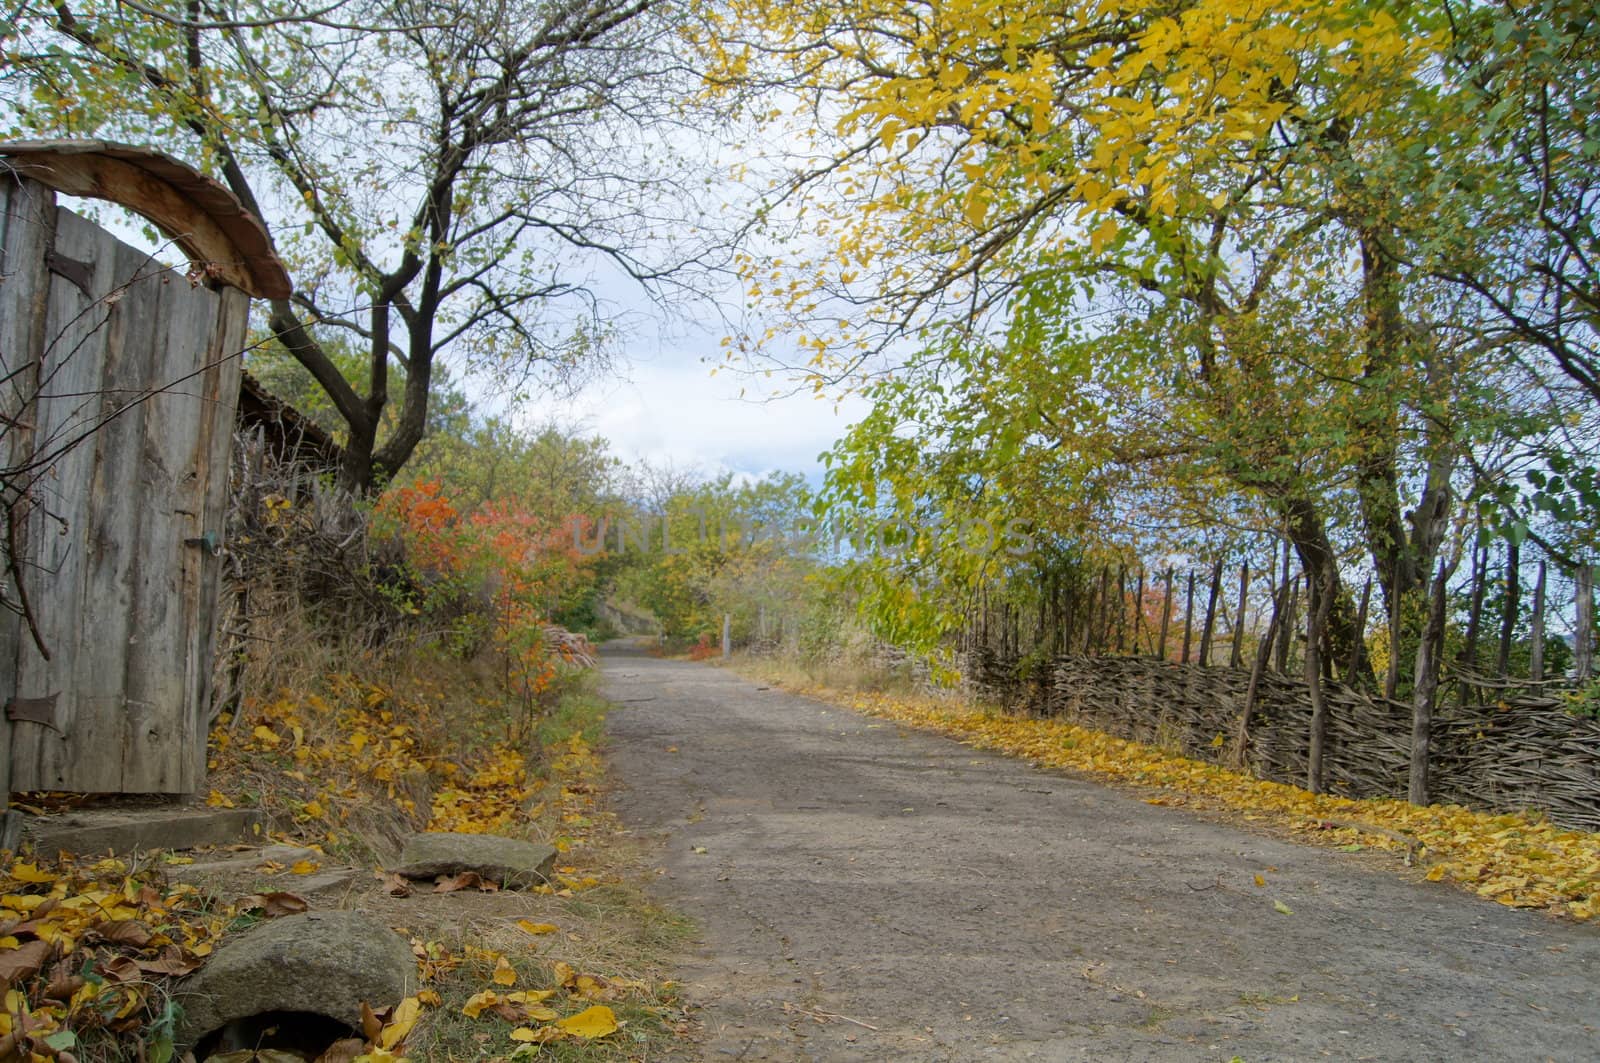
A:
(121, 379)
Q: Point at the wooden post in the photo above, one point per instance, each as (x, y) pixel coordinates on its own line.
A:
(1088, 622)
(1138, 614)
(1211, 614)
(1468, 661)
(1583, 613)
(1358, 650)
(1536, 634)
(1042, 624)
(1122, 608)
(1513, 604)
(1166, 618)
(1103, 621)
(727, 634)
(1188, 617)
(1291, 583)
(1069, 618)
(1236, 652)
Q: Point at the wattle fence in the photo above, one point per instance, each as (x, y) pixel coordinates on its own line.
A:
(1522, 751)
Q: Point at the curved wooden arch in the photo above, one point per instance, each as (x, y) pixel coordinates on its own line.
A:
(225, 243)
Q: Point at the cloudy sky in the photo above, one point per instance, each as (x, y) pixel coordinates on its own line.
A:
(665, 406)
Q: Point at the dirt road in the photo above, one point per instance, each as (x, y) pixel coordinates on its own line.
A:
(865, 892)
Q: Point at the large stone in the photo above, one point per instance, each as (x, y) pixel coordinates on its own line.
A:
(503, 861)
(321, 963)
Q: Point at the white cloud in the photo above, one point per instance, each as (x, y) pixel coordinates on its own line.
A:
(668, 408)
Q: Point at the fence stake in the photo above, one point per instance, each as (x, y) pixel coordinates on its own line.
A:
(1583, 613)
(1468, 661)
(1188, 617)
(1138, 614)
(1513, 603)
(1291, 584)
(1122, 607)
(1166, 618)
(1236, 652)
(1357, 651)
(1536, 635)
(1211, 614)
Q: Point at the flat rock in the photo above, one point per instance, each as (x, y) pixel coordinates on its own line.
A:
(332, 880)
(243, 862)
(92, 831)
(506, 862)
(324, 963)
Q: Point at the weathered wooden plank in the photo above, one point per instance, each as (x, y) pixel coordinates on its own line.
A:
(220, 393)
(68, 407)
(111, 551)
(157, 743)
(27, 231)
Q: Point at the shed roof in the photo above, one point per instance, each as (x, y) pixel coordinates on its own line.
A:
(226, 244)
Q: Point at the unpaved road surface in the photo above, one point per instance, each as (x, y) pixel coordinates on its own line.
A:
(959, 905)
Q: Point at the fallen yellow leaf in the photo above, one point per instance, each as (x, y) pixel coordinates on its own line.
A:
(543, 1035)
(478, 1001)
(528, 996)
(504, 973)
(30, 873)
(537, 928)
(594, 1021)
(405, 1017)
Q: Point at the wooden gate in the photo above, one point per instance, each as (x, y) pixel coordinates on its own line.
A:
(119, 378)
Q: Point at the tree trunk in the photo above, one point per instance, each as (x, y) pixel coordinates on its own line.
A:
(1305, 529)
(1319, 600)
(1241, 737)
(1426, 688)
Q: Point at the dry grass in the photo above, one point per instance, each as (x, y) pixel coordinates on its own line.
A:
(351, 749)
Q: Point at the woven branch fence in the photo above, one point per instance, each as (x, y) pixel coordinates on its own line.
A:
(1521, 752)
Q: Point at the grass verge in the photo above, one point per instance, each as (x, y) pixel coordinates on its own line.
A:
(533, 965)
